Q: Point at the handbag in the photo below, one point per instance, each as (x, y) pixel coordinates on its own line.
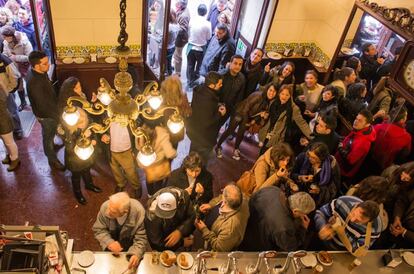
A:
(247, 181)
(360, 251)
(157, 171)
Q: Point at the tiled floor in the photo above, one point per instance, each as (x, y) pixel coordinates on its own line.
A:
(39, 195)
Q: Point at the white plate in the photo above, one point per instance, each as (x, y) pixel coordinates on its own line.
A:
(79, 60)
(318, 64)
(86, 258)
(274, 55)
(189, 259)
(67, 60)
(110, 60)
(309, 260)
(170, 255)
(409, 257)
(323, 262)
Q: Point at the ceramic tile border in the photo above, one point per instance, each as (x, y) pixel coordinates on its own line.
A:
(317, 53)
(85, 50)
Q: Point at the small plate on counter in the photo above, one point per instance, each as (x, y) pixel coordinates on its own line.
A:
(67, 60)
(110, 60)
(185, 260)
(79, 60)
(168, 258)
(86, 258)
(349, 51)
(274, 55)
(408, 257)
(325, 258)
(309, 260)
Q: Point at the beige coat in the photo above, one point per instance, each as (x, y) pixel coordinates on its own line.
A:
(265, 171)
(227, 231)
(8, 80)
(20, 51)
(277, 135)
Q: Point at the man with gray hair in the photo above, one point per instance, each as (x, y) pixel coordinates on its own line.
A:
(229, 213)
(119, 226)
(277, 222)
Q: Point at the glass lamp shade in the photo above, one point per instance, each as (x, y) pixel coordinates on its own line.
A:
(84, 149)
(146, 156)
(71, 116)
(104, 97)
(175, 124)
(155, 101)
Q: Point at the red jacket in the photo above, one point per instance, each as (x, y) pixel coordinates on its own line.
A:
(392, 139)
(357, 145)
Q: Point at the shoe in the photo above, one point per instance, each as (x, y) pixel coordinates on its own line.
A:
(93, 188)
(7, 160)
(22, 107)
(119, 189)
(236, 155)
(57, 165)
(219, 152)
(14, 165)
(138, 193)
(79, 197)
(18, 135)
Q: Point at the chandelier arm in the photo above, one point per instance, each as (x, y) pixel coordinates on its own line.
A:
(95, 109)
(151, 86)
(97, 128)
(137, 131)
(147, 112)
(140, 99)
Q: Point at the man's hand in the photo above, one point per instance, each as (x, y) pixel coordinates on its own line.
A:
(303, 141)
(115, 247)
(189, 190)
(326, 233)
(173, 238)
(397, 222)
(133, 262)
(302, 98)
(397, 230)
(204, 208)
(94, 97)
(380, 113)
(305, 221)
(105, 138)
(380, 60)
(267, 68)
(199, 189)
(199, 224)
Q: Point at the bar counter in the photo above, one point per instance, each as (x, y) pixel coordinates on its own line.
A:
(106, 263)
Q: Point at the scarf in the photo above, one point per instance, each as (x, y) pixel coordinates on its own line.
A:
(324, 174)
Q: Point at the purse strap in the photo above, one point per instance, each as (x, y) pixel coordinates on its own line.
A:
(360, 251)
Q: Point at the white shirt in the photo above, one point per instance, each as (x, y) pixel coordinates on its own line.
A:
(191, 181)
(200, 32)
(120, 140)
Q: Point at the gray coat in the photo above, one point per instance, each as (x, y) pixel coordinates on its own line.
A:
(132, 235)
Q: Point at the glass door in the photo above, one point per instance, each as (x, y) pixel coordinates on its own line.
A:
(41, 20)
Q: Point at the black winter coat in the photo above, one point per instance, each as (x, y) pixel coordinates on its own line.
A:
(158, 229)
(218, 54)
(178, 178)
(204, 123)
(232, 91)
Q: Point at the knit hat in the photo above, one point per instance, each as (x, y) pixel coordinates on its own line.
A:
(8, 31)
(302, 201)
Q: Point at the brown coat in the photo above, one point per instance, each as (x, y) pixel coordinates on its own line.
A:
(265, 171)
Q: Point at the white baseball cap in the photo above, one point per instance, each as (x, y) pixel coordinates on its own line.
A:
(166, 205)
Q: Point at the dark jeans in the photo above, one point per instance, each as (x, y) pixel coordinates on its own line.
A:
(206, 153)
(85, 174)
(234, 122)
(170, 53)
(194, 59)
(49, 126)
(12, 107)
(22, 96)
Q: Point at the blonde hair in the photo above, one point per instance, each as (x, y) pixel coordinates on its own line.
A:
(172, 91)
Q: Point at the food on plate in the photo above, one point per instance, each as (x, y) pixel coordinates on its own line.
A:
(325, 257)
(182, 260)
(168, 258)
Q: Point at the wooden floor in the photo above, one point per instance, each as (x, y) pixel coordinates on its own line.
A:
(39, 195)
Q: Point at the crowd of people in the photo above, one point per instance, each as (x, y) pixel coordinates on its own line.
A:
(334, 169)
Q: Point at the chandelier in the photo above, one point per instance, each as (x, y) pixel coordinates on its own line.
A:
(120, 107)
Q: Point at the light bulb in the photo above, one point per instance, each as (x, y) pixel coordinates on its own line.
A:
(71, 115)
(175, 123)
(84, 149)
(146, 156)
(175, 126)
(155, 101)
(104, 97)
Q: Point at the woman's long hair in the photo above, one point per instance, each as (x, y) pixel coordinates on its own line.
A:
(373, 188)
(66, 91)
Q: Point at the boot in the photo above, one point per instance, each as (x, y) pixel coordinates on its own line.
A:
(77, 191)
(7, 160)
(90, 186)
(14, 165)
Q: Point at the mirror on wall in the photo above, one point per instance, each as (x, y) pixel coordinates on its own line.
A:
(367, 29)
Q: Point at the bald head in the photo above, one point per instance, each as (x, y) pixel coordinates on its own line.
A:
(118, 204)
(233, 196)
